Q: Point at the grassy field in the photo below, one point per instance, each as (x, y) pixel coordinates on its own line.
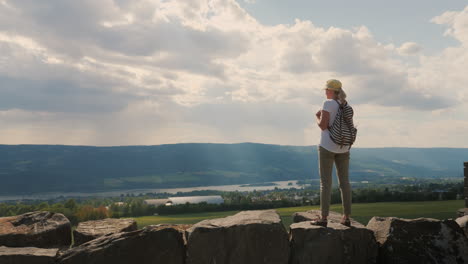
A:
(362, 212)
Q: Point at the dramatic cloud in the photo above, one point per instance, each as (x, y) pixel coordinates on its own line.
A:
(116, 72)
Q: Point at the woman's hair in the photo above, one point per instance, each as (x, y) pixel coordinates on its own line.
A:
(340, 95)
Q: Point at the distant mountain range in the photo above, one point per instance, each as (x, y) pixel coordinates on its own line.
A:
(26, 169)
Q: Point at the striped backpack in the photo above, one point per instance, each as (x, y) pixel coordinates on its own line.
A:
(342, 131)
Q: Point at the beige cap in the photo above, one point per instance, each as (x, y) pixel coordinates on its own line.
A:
(333, 85)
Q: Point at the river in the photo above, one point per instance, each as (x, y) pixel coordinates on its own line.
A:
(239, 187)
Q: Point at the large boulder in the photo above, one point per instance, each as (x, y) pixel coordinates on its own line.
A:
(421, 240)
(463, 223)
(35, 229)
(335, 243)
(313, 214)
(90, 230)
(249, 237)
(29, 255)
(158, 244)
(462, 211)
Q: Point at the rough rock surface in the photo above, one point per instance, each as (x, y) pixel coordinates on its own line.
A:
(158, 244)
(249, 237)
(90, 230)
(29, 255)
(462, 212)
(335, 243)
(463, 223)
(35, 229)
(421, 240)
(180, 227)
(332, 217)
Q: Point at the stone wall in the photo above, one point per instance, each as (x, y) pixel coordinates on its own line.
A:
(464, 211)
(466, 185)
(249, 237)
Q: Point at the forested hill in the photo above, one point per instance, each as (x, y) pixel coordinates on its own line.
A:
(28, 169)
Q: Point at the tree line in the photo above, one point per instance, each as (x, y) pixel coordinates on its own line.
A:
(78, 210)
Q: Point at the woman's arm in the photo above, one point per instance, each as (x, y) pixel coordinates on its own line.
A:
(323, 117)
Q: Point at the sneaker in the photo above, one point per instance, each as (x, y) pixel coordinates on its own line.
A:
(346, 222)
(319, 222)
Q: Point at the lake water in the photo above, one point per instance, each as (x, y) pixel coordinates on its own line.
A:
(230, 188)
(211, 199)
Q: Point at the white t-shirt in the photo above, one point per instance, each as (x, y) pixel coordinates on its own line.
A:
(331, 106)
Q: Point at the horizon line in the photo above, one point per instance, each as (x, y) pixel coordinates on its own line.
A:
(217, 143)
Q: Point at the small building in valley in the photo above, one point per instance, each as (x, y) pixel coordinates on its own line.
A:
(158, 202)
(211, 199)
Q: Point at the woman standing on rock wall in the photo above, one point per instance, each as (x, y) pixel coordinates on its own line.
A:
(330, 152)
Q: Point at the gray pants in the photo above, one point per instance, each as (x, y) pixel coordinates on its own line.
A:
(341, 160)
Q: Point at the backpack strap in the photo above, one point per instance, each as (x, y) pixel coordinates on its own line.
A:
(337, 102)
(341, 105)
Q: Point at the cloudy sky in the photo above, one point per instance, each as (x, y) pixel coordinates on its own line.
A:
(147, 72)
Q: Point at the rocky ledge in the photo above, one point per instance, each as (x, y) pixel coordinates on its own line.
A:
(248, 237)
(29, 255)
(90, 230)
(463, 223)
(333, 217)
(35, 229)
(335, 243)
(159, 244)
(421, 240)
